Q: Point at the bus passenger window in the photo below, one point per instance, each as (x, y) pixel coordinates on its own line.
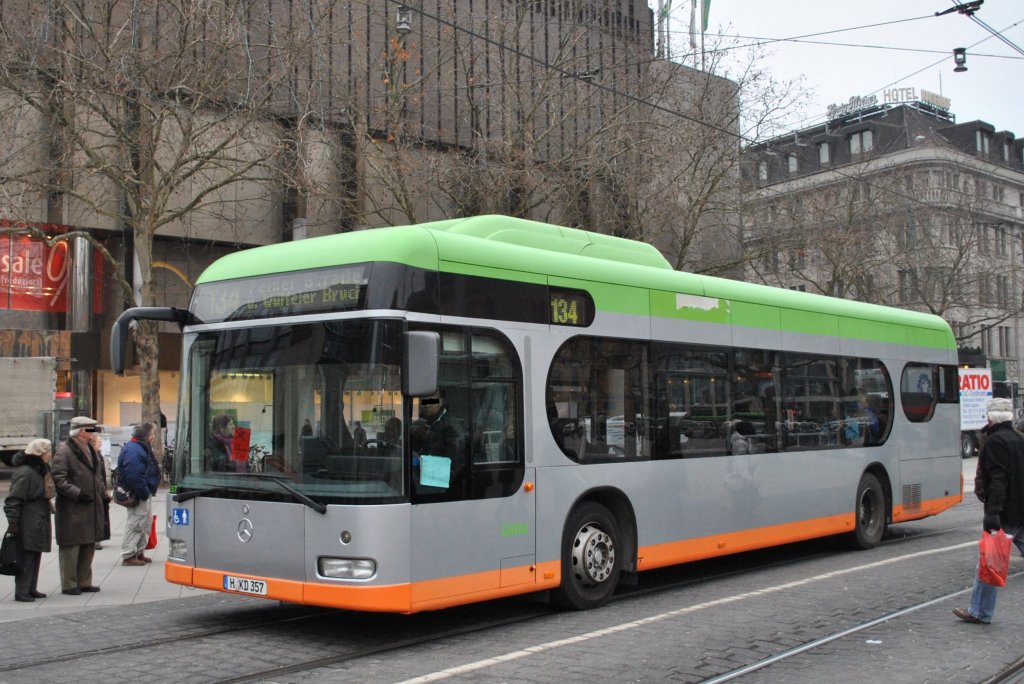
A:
(598, 389)
(691, 386)
(470, 425)
(918, 392)
(810, 412)
(868, 397)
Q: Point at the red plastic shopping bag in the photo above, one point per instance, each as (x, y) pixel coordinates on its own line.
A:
(994, 558)
(151, 544)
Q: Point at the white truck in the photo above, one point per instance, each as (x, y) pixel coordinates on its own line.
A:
(27, 403)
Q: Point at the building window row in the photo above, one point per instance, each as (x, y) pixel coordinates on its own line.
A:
(997, 342)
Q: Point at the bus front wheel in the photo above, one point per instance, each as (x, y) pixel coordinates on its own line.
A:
(591, 561)
(870, 513)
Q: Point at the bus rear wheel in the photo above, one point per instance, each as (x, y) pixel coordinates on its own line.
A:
(591, 561)
(967, 445)
(870, 514)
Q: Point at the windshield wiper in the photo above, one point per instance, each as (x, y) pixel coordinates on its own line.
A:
(312, 503)
(185, 496)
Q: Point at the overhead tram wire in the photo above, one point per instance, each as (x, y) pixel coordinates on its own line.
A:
(657, 107)
(762, 41)
(800, 38)
(866, 46)
(813, 120)
(969, 10)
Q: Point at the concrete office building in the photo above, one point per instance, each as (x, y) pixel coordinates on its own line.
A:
(281, 120)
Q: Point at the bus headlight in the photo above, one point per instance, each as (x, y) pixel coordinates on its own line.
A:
(347, 568)
(177, 549)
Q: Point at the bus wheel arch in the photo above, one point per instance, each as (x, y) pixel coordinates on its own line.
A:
(598, 545)
(872, 508)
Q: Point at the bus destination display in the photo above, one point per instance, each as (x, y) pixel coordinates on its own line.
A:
(287, 294)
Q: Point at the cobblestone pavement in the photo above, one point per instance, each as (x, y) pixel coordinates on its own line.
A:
(688, 633)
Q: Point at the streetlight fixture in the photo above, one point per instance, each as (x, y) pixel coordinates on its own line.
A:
(960, 58)
(403, 20)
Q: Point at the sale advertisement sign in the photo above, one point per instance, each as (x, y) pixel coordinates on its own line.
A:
(35, 276)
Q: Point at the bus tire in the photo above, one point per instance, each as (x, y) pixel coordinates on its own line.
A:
(967, 445)
(591, 558)
(869, 514)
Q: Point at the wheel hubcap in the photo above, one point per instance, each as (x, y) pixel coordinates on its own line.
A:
(593, 555)
(869, 511)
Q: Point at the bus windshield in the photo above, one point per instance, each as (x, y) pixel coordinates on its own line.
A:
(316, 406)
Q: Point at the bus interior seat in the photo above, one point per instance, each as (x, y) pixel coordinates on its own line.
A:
(314, 453)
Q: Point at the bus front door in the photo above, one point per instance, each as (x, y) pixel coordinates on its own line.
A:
(474, 549)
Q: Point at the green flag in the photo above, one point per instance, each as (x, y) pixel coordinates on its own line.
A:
(707, 11)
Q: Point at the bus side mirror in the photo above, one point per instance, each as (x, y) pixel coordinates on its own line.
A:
(422, 355)
(119, 333)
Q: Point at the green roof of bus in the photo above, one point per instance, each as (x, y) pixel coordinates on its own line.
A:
(531, 252)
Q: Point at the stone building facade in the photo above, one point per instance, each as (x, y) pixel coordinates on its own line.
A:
(901, 205)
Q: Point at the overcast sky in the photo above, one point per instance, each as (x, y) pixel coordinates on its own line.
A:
(910, 54)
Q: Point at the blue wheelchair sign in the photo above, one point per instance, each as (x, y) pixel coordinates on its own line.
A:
(180, 516)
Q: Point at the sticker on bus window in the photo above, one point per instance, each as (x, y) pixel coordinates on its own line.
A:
(435, 471)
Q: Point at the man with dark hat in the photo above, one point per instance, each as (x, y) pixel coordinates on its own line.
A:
(78, 475)
(1000, 485)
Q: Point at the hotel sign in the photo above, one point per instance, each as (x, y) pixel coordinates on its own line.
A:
(896, 95)
(854, 104)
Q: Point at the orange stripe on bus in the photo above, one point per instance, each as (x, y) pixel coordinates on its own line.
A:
(395, 598)
(484, 586)
(930, 507)
(178, 574)
(673, 553)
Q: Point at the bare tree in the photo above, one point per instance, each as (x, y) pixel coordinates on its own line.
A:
(152, 117)
(892, 236)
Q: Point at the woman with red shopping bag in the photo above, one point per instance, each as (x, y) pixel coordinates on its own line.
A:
(1000, 485)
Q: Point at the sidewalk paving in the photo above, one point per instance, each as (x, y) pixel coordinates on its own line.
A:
(119, 585)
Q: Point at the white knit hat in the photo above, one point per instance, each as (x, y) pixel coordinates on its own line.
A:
(999, 410)
(38, 447)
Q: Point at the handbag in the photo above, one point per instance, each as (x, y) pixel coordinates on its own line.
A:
(153, 541)
(9, 555)
(124, 496)
(994, 558)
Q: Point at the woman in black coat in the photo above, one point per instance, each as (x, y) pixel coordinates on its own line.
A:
(28, 510)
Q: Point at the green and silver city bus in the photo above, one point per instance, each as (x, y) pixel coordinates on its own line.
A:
(410, 418)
